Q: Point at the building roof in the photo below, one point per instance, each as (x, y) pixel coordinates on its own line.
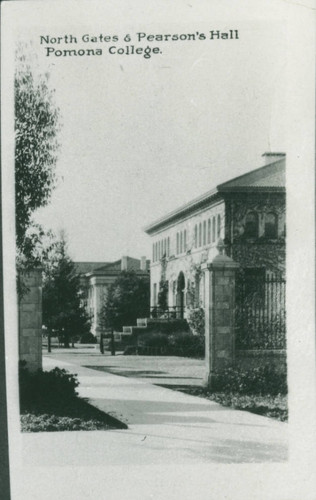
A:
(101, 268)
(88, 267)
(268, 178)
(110, 266)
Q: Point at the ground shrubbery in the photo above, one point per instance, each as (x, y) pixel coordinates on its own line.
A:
(49, 402)
(46, 388)
(266, 405)
(31, 422)
(260, 380)
(261, 390)
(180, 343)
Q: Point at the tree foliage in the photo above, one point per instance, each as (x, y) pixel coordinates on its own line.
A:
(62, 308)
(36, 145)
(127, 299)
(163, 295)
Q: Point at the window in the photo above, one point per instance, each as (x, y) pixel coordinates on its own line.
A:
(177, 243)
(154, 252)
(209, 231)
(200, 234)
(185, 240)
(195, 236)
(181, 242)
(213, 229)
(218, 226)
(204, 233)
(271, 225)
(168, 247)
(251, 225)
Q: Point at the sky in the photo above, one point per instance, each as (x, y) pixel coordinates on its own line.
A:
(142, 136)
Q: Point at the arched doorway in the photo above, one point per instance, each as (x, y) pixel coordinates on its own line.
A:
(180, 295)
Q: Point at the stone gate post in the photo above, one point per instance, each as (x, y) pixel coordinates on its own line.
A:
(219, 314)
(30, 321)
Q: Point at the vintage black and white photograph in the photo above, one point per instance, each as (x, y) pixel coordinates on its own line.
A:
(151, 160)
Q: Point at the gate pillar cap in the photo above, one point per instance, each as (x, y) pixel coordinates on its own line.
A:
(224, 261)
(220, 261)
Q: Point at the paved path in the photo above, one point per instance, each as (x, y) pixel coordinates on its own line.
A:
(176, 445)
(160, 370)
(164, 426)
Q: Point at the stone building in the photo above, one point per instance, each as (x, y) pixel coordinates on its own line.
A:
(247, 213)
(96, 277)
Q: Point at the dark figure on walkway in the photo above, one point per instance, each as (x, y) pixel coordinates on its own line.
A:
(112, 344)
(101, 344)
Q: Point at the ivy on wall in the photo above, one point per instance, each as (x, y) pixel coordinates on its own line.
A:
(256, 252)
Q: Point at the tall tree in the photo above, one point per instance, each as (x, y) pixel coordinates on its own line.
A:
(36, 145)
(63, 311)
(127, 299)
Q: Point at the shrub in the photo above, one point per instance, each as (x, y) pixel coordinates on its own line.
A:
(187, 344)
(170, 327)
(181, 343)
(260, 380)
(88, 338)
(153, 340)
(46, 387)
(183, 339)
(196, 320)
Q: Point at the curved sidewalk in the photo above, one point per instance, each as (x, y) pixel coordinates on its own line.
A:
(164, 426)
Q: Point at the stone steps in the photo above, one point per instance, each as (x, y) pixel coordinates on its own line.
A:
(147, 325)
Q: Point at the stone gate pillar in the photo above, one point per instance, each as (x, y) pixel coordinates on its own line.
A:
(30, 321)
(219, 314)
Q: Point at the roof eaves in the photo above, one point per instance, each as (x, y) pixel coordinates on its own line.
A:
(182, 211)
(242, 189)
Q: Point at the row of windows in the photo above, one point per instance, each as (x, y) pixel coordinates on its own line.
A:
(207, 232)
(182, 241)
(252, 225)
(161, 248)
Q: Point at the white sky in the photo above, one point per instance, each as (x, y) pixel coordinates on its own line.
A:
(141, 137)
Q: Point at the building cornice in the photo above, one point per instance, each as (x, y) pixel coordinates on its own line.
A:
(184, 211)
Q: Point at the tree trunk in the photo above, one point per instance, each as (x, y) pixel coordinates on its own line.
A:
(49, 345)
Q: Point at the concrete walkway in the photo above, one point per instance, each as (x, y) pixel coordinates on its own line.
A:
(176, 446)
(164, 426)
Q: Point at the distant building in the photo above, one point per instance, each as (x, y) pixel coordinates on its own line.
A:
(96, 277)
(247, 213)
